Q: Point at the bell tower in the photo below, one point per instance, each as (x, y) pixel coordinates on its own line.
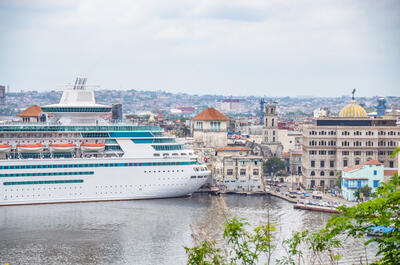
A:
(270, 127)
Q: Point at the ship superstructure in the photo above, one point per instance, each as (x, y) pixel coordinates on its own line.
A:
(75, 155)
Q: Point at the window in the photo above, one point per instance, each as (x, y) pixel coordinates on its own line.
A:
(375, 172)
(376, 183)
(322, 163)
(345, 163)
(199, 125)
(322, 183)
(391, 164)
(322, 173)
(331, 163)
(345, 153)
(242, 172)
(312, 173)
(357, 162)
(370, 153)
(312, 163)
(255, 172)
(331, 173)
(229, 172)
(357, 153)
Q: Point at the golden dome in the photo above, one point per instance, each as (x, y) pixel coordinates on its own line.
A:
(353, 110)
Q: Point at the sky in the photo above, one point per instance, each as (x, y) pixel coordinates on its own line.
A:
(228, 47)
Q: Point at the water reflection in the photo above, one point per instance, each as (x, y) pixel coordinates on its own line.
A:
(129, 232)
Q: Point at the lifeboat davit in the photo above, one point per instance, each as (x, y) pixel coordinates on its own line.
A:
(93, 147)
(30, 148)
(61, 147)
(5, 148)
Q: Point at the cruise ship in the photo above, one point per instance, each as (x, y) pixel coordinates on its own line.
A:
(74, 155)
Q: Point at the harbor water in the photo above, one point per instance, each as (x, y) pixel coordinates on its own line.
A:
(137, 232)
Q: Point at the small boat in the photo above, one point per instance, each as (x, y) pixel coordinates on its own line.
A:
(93, 147)
(30, 148)
(61, 147)
(5, 148)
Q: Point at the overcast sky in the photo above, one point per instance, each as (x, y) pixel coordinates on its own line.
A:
(230, 47)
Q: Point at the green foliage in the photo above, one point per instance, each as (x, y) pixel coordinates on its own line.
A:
(366, 191)
(274, 165)
(382, 211)
(244, 247)
(339, 179)
(205, 254)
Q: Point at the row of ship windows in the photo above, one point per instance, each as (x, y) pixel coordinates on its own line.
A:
(65, 128)
(159, 171)
(38, 195)
(43, 182)
(50, 188)
(47, 174)
(101, 165)
(199, 177)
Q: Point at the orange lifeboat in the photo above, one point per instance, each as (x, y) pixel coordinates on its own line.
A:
(30, 148)
(5, 148)
(93, 147)
(62, 147)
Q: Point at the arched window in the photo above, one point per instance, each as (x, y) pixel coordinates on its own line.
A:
(312, 173)
(322, 173)
(331, 173)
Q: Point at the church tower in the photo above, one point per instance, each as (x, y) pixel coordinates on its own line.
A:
(270, 124)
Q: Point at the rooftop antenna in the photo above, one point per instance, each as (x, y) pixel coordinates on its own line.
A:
(80, 83)
(354, 91)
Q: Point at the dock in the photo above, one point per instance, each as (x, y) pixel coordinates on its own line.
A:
(315, 208)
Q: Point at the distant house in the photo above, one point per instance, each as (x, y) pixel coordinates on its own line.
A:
(31, 114)
(370, 174)
(235, 170)
(210, 128)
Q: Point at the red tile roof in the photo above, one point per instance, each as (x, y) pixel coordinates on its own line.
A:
(389, 172)
(210, 114)
(32, 111)
(352, 168)
(372, 162)
(233, 149)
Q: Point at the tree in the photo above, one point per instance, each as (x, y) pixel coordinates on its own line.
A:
(365, 191)
(274, 165)
(324, 245)
(355, 222)
(244, 247)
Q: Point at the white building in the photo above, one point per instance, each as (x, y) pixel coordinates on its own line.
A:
(353, 138)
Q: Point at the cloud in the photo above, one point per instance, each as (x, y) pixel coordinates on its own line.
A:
(193, 46)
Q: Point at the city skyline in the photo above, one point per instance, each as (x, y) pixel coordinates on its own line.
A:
(237, 48)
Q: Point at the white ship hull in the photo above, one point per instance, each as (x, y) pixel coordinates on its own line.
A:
(98, 183)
